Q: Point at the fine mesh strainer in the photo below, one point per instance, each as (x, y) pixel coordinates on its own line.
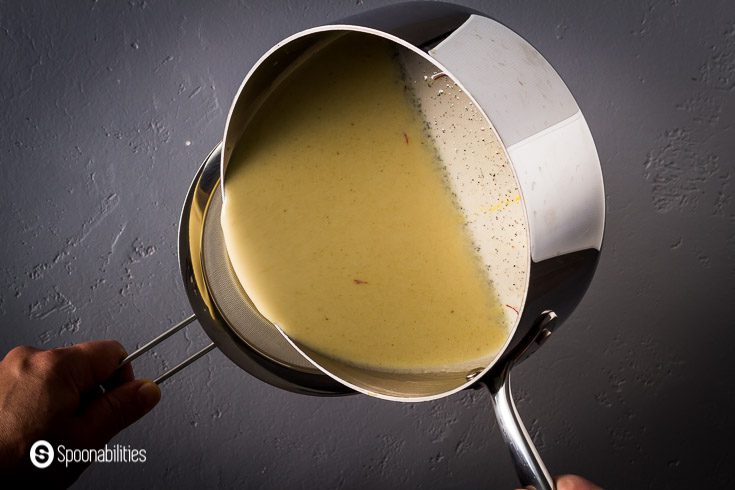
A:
(222, 307)
(537, 213)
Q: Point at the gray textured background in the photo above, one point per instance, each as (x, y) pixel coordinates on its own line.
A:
(107, 109)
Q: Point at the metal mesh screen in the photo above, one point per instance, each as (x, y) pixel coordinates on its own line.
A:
(232, 301)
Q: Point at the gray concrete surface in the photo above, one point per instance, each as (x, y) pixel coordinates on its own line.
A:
(107, 110)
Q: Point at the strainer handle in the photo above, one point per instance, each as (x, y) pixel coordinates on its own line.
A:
(147, 346)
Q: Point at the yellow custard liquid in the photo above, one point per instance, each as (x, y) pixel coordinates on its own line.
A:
(341, 229)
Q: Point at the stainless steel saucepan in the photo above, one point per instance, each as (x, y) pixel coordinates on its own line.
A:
(539, 206)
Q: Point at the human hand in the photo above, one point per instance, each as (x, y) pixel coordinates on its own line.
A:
(574, 482)
(54, 395)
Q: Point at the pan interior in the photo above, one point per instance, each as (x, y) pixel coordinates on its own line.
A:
(485, 190)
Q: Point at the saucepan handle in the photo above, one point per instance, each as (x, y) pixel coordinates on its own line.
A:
(167, 374)
(531, 471)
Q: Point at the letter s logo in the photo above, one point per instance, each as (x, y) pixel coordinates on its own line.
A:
(42, 454)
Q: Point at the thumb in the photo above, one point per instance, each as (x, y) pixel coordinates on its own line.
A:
(116, 409)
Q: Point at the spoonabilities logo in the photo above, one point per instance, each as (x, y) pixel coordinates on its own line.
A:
(42, 454)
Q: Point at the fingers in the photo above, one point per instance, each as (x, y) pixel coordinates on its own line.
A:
(574, 482)
(90, 364)
(122, 375)
(20, 352)
(110, 413)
